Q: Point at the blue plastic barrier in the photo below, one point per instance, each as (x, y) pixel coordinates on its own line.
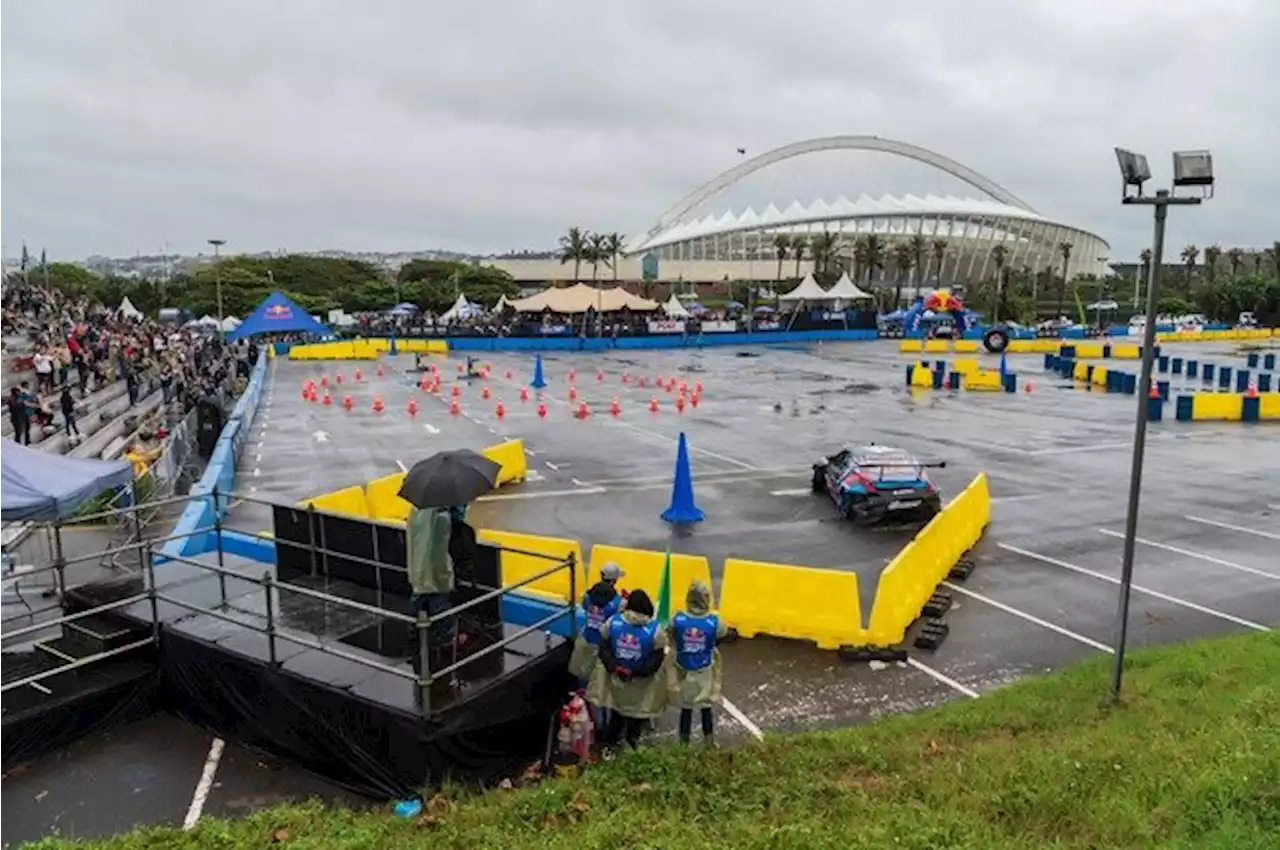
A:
(1252, 361)
(1224, 378)
(1193, 368)
(1155, 409)
(1175, 365)
(1242, 380)
(1183, 410)
(1207, 373)
(1264, 383)
(1269, 362)
(1162, 387)
(1162, 363)
(1250, 409)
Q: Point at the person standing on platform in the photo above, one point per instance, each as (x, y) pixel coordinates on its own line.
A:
(697, 674)
(599, 604)
(431, 577)
(626, 682)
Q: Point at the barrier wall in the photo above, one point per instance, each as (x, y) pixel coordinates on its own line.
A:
(782, 600)
(914, 575)
(485, 343)
(1217, 335)
(516, 566)
(957, 346)
(511, 457)
(643, 568)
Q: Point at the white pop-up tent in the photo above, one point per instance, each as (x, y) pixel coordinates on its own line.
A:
(808, 290)
(845, 290)
(461, 309)
(674, 308)
(127, 310)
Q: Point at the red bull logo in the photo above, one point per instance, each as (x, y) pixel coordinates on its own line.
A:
(695, 639)
(277, 311)
(628, 646)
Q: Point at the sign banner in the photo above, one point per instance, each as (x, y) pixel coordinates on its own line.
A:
(769, 325)
(555, 330)
(721, 327)
(666, 326)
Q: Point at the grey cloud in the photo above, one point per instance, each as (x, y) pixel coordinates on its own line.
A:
(487, 126)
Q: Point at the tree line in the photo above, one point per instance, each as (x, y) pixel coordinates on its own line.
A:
(317, 284)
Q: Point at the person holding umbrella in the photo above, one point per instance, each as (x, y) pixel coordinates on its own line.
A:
(438, 488)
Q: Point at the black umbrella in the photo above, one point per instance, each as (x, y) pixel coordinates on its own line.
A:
(449, 478)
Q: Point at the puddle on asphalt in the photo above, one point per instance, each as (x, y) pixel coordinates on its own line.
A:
(855, 388)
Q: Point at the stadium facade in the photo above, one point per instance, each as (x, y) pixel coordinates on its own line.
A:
(711, 236)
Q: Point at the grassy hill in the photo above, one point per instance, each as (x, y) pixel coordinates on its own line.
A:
(1191, 760)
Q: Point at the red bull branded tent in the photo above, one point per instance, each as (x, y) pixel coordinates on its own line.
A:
(278, 314)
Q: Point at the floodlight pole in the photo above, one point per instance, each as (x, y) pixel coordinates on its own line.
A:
(217, 277)
(1162, 200)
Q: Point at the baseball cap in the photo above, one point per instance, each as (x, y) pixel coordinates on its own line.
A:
(611, 572)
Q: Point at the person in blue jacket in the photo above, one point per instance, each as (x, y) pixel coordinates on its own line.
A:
(627, 681)
(697, 675)
(599, 604)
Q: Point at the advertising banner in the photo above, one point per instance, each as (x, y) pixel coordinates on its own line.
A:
(666, 326)
(721, 327)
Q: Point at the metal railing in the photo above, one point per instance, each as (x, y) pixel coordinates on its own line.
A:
(268, 622)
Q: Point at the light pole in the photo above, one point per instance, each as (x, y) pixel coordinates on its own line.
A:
(217, 277)
(1194, 169)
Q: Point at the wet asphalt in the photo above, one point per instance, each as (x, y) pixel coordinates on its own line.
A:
(1043, 593)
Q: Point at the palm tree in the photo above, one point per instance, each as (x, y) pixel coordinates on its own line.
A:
(798, 246)
(999, 256)
(1065, 249)
(573, 246)
(903, 258)
(613, 246)
(874, 255)
(823, 247)
(597, 252)
(918, 244)
(781, 245)
(1211, 255)
(939, 249)
(1235, 256)
(1189, 255)
(1274, 253)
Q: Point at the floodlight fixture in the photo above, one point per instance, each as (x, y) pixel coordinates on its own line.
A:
(1134, 169)
(1193, 168)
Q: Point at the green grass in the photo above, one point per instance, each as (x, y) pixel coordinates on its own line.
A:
(1192, 760)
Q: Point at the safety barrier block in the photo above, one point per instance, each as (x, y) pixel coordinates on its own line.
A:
(801, 603)
(1114, 379)
(1155, 409)
(937, 346)
(1242, 380)
(1216, 406)
(1250, 409)
(1101, 376)
(516, 565)
(1269, 406)
(1182, 408)
(938, 375)
(965, 365)
(643, 568)
(1193, 368)
(1067, 352)
(1092, 350)
(910, 346)
(1207, 373)
(953, 380)
(1252, 360)
(965, 346)
(920, 376)
(381, 495)
(1080, 371)
(1162, 389)
(1050, 361)
(511, 457)
(1269, 362)
(1010, 381)
(984, 381)
(1224, 377)
(1130, 384)
(348, 500)
(1162, 363)
(1264, 383)
(1175, 365)
(1125, 351)
(914, 575)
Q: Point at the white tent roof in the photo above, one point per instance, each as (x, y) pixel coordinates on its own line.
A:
(461, 307)
(230, 323)
(580, 298)
(846, 290)
(128, 310)
(674, 308)
(502, 304)
(808, 290)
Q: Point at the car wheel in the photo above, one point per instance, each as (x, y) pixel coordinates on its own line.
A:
(819, 482)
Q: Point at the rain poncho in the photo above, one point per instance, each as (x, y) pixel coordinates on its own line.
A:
(641, 699)
(697, 688)
(586, 656)
(427, 559)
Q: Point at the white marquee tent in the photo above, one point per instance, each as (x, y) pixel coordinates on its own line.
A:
(846, 290)
(674, 308)
(808, 290)
(461, 309)
(580, 298)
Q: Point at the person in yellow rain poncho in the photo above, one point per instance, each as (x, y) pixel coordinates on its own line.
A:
(629, 681)
(696, 674)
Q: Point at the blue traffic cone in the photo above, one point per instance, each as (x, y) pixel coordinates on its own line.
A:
(538, 381)
(1004, 368)
(682, 508)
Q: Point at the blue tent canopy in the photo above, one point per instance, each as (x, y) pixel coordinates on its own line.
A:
(43, 486)
(278, 314)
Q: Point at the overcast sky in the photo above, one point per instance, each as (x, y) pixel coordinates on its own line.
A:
(486, 126)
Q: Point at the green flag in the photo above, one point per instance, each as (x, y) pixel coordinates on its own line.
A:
(663, 613)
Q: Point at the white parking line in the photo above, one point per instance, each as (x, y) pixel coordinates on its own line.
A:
(551, 466)
(1231, 527)
(204, 786)
(942, 677)
(743, 720)
(1179, 551)
(1136, 587)
(795, 491)
(1030, 618)
(544, 494)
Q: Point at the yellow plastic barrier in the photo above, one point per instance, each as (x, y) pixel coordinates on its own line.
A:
(965, 346)
(643, 568)
(510, 456)
(965, 365)
(921, 376)
(910, 346)
(981, 381)
(380, 495)
(1269, 406)
(1033, 346)
(802, 603)
(1099, 376)
(1228, 406)
(1089, 350)
(937, 346)
(348, 500)
(913, 576)
(516, 565)
(1126, 351)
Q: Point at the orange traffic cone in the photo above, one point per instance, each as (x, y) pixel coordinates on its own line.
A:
(680, 404)
(524, 393)
(484, 392)
(1154, 392)
(413, 407)
(338, 377)
(671, 384)
(542, 410)
(641, 382)
(359, 376)
(658, 380)
(1029, 387)
(573, 393)
(507, 374)
(626, 377)
(324, 380)
(583, 412)
(697, 388)
(501, 410)
(306, 389)
(424, 385)
(693, 401)
(484, 373)
(684, 387)
(653, 405)
(454, 407)
(455, 392)
(326, 400)
(346, 403)
(435, 386)
(1251, 391)
(614, 408)
(459, 368)
(572, 376)
(378, 406)
(379, 370)
(599, 374)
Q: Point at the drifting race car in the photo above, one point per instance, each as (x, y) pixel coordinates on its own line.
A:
(872, 484)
